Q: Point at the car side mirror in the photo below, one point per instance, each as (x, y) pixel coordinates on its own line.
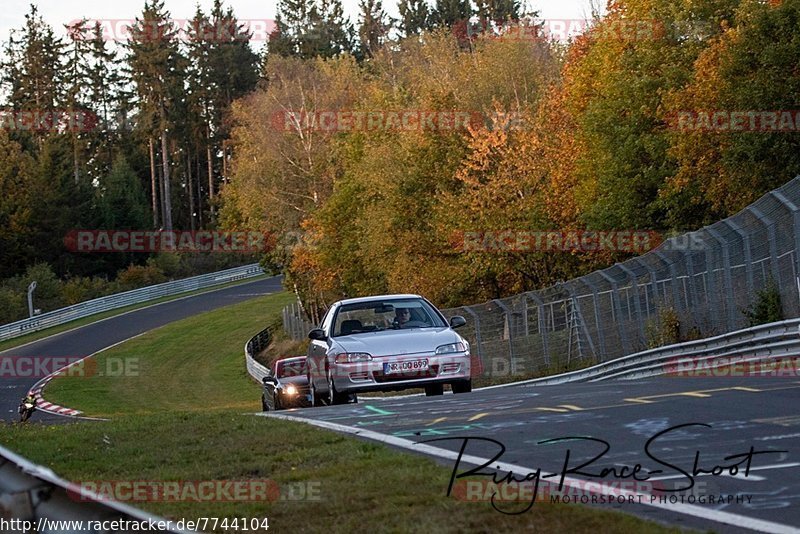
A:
(269, 380)
(317, 334)
(457, 321)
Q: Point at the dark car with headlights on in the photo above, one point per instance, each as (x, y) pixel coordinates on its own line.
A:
(286, 386)
(386, 343)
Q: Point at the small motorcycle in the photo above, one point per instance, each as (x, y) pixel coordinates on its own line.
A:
(26, 409)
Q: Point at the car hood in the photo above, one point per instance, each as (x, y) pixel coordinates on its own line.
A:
(398, 342)
(301, 380)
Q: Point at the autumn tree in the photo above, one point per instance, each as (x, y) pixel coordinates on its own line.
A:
(750, 68)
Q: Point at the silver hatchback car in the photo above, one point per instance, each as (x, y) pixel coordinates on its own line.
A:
(386, 343)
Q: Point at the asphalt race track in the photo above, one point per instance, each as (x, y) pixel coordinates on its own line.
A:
(758, 412)
(96, 336)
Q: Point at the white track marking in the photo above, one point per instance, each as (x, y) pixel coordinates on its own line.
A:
(717, 516)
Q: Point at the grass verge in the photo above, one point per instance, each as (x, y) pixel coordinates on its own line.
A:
(192, 364)
(184, 418)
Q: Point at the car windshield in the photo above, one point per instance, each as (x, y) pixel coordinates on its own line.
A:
(377, 315)
(288, 369)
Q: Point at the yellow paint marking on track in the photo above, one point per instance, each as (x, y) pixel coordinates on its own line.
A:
(791, 420)
(566, 408)
(779, 388)
(701, 394)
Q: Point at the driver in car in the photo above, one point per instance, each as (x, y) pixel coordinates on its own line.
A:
(401, 316)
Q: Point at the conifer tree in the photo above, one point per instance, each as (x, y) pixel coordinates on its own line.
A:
(157, 69)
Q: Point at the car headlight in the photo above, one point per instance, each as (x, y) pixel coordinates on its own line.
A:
(450, 348)
(353, 357)
(291, 390)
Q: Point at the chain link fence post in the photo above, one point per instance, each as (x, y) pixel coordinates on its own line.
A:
(673, 280)
(769, 225)
(615, 302)
(542, 323)
(636, 304)
(601, 339)
(509, 320)
(747, 253)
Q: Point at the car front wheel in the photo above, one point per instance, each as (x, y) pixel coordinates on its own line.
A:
(334, 397)
(462, 387)
(434, 390)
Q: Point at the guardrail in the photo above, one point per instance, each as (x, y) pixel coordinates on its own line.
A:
(763, 342)
(34, 494)
(255, 345)
(128, 298)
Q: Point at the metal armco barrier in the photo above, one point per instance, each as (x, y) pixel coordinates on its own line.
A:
(255, 345)
(29, 492)
(128, 298)
(759, 343)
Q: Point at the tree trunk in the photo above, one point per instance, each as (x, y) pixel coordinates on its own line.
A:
(210, 172)
(76, 170)
(161, 192)
(191, 189)
(165, 174)
(224, 161)
(199, 191)
(154, 193)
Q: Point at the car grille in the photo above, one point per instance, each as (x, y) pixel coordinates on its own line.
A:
(302, 390)
(451, 367)
(432, 372)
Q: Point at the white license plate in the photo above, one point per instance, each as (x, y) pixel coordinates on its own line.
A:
(409, 366)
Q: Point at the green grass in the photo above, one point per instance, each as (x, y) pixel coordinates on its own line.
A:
(192, 364)
(33, 336)
(185, 417)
